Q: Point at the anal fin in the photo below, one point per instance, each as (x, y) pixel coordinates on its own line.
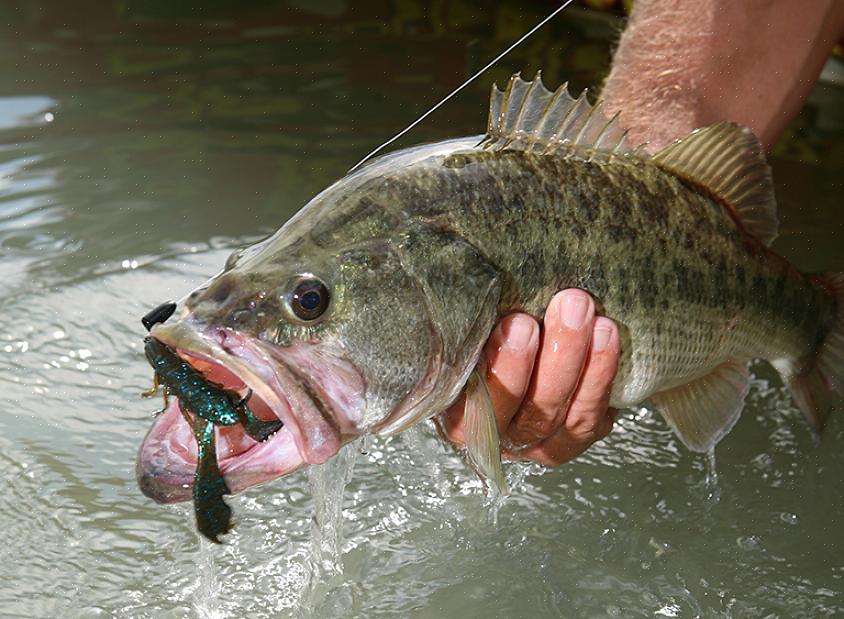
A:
(481, 433)
(702, 412)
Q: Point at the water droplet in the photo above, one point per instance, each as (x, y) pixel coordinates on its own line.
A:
(749, 542)
(713, 490)
(669, 610)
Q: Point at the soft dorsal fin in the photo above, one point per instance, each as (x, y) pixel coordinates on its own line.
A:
(527, 116)
(728, 161)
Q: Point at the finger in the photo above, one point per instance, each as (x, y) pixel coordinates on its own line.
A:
(564, 445)
(510, 353)
(562, 354)
(589, 417)
(592, 396)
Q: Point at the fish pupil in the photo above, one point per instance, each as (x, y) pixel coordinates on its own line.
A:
(310, 300)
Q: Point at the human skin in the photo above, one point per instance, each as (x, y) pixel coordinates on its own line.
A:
(680, 65)
(684, 64)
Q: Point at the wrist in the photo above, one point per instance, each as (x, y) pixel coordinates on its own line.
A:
(684, 64)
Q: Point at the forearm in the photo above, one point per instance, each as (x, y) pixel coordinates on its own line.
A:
(683, 64)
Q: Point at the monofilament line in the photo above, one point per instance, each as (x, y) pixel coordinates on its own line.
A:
(464, 84)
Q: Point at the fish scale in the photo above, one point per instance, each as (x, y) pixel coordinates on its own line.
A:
(424, 250)
(675, 282)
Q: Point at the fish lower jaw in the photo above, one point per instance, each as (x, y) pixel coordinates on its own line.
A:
(167, 459)
(240, 364)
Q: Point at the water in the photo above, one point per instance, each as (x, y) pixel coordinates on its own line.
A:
(141, 141)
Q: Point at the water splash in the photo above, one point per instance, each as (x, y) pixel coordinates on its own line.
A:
(494, 502)
(426, 453)
(207, 602)
(327, 483)
(710, 483)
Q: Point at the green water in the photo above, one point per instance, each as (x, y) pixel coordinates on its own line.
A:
(141, 141)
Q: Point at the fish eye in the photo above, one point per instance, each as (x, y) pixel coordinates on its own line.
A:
(309, 298)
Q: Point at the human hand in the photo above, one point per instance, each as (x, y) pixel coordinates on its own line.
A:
(550, 389)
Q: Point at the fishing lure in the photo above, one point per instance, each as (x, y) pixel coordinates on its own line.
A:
(159, 314)
(211, 405)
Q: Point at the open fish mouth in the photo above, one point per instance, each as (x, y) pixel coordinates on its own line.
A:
(317, 417)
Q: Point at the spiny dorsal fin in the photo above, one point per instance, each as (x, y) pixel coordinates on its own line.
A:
(727, 160)
(527, 116)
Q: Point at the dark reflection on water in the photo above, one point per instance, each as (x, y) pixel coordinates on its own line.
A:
(141, 141)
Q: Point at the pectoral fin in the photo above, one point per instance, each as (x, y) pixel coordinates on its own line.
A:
(481, 433)
(704, 411)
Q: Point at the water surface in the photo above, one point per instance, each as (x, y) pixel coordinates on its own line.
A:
(140, 142)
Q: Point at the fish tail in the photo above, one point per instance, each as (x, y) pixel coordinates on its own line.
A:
(814, 388)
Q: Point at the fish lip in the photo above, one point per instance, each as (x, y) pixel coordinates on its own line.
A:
(166, 476)
(304, 415)
(333, 383)
(246, 357)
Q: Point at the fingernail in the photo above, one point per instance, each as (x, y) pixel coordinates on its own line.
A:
(518, 332)
(601, 334)
(573, 309)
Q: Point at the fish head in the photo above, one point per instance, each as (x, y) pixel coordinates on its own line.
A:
(353, 318)
(331, 342)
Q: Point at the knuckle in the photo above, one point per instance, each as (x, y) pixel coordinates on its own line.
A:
(606, 374)
(590, 401)
(601, 429)
(531, 430)
(600, 375)
(583, 417)
(585, 429)
(543, 418)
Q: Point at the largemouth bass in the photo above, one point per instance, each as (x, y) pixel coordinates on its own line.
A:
(367, 312)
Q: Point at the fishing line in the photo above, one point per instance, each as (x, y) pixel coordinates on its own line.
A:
(463, 85)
